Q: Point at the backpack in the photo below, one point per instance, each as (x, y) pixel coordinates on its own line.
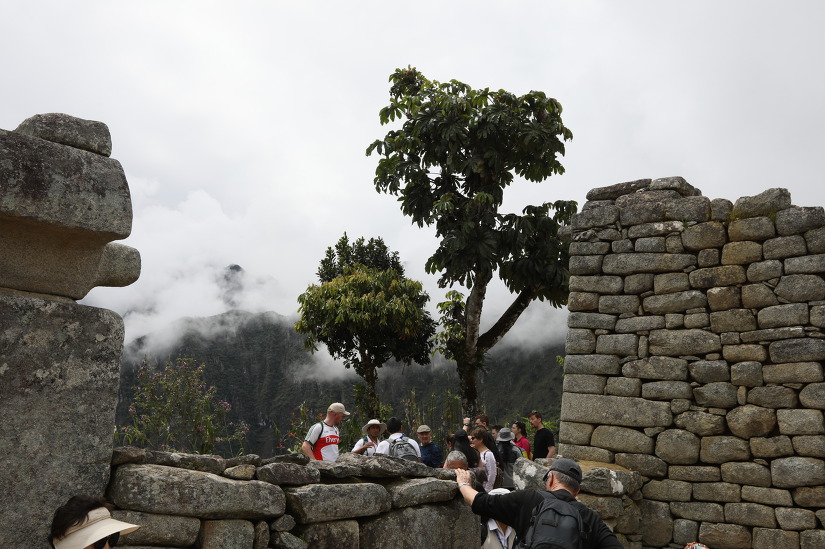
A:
(555, 524)
(401, 448)
(509, 454)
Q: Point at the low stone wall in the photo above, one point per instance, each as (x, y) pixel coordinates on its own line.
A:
(694, 356)
(208, 502)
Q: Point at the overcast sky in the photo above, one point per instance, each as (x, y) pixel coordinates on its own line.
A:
(242, 125)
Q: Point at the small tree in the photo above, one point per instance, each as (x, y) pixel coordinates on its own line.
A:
(173, 409)
(366, 311)
(450, 161)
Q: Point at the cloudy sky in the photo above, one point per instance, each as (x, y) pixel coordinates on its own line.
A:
(242, 125)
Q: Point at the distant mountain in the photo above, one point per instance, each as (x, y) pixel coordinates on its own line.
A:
(258, 363)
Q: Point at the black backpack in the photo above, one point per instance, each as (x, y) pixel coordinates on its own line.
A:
(555, 524)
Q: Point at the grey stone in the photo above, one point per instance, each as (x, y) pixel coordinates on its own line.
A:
(644, 464)
(610, 480)
(592, 364)
(621, 439)
(288, 474)
(584, 383)
(710, 277)
(575, 433)
(742, 253)
(589, 248)
(638, 283)
(87, 135)
(667, 490)
(240, 472)
(582, 301)
(812, 539)
(623, 386)
(793, 372)
(226, 534)
(716, 395)
(757, 296)
(618, 344)
(656, 367)
(784, 246)
(694, 473)
(813, 396)
(591, 321)
(792, 472)
(128, 454)
(756, 228)
(720, 209)
(656, 523)
(709, 371)
(723, 449)
(261, 535)
(767, 538)
(298, 459)
(725, 536)
(585, 453)
(160, 529)
(674, 321)
(720, 492)
(685, 531)
(666, 390)
(173, 491)
(750, 514)
(797, 350)
(335, 469)
(817, 316)
(704, 235)
(700, 511)
(800, 288)
(809, 445)
(245, 459)
(418, 491)
(283, 523)
(701, 423)
(751, 474)
(797, 220)
(676, 302)
(580, 341)
(751, 421)
(795, 519)
(639, 324)
(585, 264)
(618, 304)
(809, 496)
(771, 447)
(285, 540)
(722, 299)
(670, 282)
(196, 462)
(615, 410)
(765, 203)
(339, 533)
(595, 217)
(630, 263)
(325, 502)
(732, 320)
(382, 466)
(767, 496)
(678, 447)
(815, 240)
(809, 264)
(683, 342)
(613, 192)
(662, 228)
(691, 208)
(773, 334)
(697, 320)
(800, 422)
(641, 212)
(745, 353)
(709, 257)
(773, 397)
(677, 183)
(596, 284)
(621, 246)
(654, 244)
(748, 374)
(764, 270)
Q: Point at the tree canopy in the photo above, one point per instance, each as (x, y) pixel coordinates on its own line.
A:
(456, 151)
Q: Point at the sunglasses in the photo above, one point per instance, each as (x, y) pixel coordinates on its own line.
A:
(112, 540)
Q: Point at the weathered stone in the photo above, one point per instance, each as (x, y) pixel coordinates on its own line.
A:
(694, 473)
(750, 514)
(324, 502)
(666, 390)
(795, 519)
(585, 453)
(582, 301)
(591, 321)
(621, 439)
(725, 536)
(644, 464)
(815, 240)
(618, 344)
(807, 496)
(625, 264)
(641, 211)
(797, 350)
(773, 397)
(618, 304)
(584, 383)
(655, 229)
(298, 459)
(240, 472)
(592, 364)
(732, 320)
(709, 257)
(654, 244)
(595, 217)
(683, 342)
(766, 538)
(748, 374)
(793, 372)
(720, 209)
(128, 454)
(529, 474)
(615, 410)
(797, 220)
(792, 472)
(724, 298)
(764, 270)
(709, 277)
(580, 341)
(245, 459)
(695, 510)
(767, 496)
(87, 135)
(800, 422)
(701, 423)
(639, 324)
(288, 474)
(755, 228)
(704, 235)
(784, 246)
(744, 353)
(575, 433)
(709, 371)
(721, 492)
(808, 264)
(585, 264)
(676, 183)
(453, 524)
(800, 288)
(809, 446)
(685, 531)
(690, 208)
(596, 284)
(382, 466)
(812, 539)
(677, 446)
(674, 302)
(656, 523)
(723, 449)
(756, 296)
(589, 248)
(773, 334)
(623, 386)
(667, 490)
(339, 533)
(609, 480)
(765, 203)
(261, 535)
(173, 491)
(697, 320)
(638, 283)
(751, 421)
(741, 253)
(813, 396)
(668, 283)
(817, 316)
(335, 469)
(160, 529)
(656, 367)
(285, 540)
(622, 246)
(771, 447)
(420, 491)
(613, 192)
(226, 534)
(283, 523)
(716, 395)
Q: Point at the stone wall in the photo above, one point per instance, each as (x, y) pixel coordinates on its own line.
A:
(208, 502)
(694, 356)
(62, 203)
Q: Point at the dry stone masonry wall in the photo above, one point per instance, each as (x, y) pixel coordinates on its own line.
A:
(694, 349)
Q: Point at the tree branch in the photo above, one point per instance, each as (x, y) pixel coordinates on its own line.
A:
(472, 314)
(506, 321)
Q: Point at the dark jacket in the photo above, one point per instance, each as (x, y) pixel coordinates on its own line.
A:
(516, 508)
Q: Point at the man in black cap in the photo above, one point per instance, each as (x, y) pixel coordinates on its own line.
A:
(516, 508)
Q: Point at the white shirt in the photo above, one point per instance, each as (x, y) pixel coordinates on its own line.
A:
(384, 445)
(489, 462)
(369, 451)
(496, 539)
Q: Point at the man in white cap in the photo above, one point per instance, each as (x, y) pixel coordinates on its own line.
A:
(86, 522)
(321, 442)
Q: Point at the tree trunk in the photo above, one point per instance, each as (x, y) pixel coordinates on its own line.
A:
(369, 373)
(467, 370)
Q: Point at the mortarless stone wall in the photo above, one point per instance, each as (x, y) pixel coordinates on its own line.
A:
(694, 356)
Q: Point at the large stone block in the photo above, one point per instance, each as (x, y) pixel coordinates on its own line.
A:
(453, 524)
(418, 491)
(160, 529)
(639, 324)
(622, 439)
(288, 474)
(226, 534)
(630, 263)
(797, 350)
(791, 314)
(723, 449)
(716, 395)
(720, 492)
(666, 390)
(644, 464)
(813, 396)
(595, 217)
(792, 472)
(795, 519)
(710, 277)
(698, 510)
(771, 538)
(800, 288)
(618, 344)
(592, 364)
(750, 514)
(767, 496)
(596, 284)
(59, 371)
(725, 536)
(676, 302)
(773, 396)
(808, 264)
(678, 447)
(809, 446)
(694, 473)
(173, 491)
(657, 367)
(591, 321)
(683, 342)
(784, 246)
(771, 447)
(812, 539)
(741, 252)
(667, 490)
(343, 534)
(800, 422)
(656, 523)
(709, 371)
(766, 203)
(324, 502)
(755, 228)
(732, 320)
(809, 496)
(797, 220)
(704, 235)
(751, 421)
(87, 135)
(614, 410)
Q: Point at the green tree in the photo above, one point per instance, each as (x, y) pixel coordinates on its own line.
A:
(366, 311)
(455, 152)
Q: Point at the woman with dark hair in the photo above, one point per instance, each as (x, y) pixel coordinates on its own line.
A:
(520, 432)
(86, 522)
(477, 437)
(462, 444)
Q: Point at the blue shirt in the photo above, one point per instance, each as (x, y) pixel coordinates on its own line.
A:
(431, 455)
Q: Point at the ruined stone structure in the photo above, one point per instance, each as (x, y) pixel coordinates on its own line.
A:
(694, 356)
(62, 203)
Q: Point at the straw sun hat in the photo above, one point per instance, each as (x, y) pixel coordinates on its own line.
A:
(98, 525)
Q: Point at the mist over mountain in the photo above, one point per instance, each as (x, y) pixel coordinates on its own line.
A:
(258, 364)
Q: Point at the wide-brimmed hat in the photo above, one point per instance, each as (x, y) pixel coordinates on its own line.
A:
(504, 434)
(372, 422)
(338, 408)
(98, 525)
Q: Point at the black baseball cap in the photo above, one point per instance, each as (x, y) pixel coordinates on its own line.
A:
(567, 467)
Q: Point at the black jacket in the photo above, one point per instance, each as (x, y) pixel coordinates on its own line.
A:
(516, 508)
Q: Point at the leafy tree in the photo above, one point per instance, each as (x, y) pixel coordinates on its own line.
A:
(366, 311)
(455, 152)
(173, 409)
